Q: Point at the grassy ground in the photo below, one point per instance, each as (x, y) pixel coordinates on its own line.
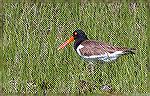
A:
(33, 31)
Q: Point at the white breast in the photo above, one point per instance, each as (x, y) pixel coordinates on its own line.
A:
(107, 57)
(78, 49)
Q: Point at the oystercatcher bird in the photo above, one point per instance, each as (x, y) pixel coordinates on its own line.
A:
(92, 50)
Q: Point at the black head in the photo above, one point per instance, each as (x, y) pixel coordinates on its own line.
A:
(79, 37)
(79, 34)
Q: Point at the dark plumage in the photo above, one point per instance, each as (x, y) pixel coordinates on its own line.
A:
(95, 50)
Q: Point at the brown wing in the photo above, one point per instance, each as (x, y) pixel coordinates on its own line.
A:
(92, 47)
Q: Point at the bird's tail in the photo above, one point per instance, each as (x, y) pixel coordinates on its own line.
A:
(129, 51)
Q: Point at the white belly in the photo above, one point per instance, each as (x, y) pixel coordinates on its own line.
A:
(107, 57)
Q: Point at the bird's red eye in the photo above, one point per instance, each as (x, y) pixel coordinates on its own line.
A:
(75, 33)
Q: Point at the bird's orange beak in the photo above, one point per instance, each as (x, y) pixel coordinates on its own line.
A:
(66, 43)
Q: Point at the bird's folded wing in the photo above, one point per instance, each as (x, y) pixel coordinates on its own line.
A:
(92, 47)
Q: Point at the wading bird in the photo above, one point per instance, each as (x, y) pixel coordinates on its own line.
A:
(92, 50)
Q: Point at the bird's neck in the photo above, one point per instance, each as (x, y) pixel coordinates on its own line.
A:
(78, 42)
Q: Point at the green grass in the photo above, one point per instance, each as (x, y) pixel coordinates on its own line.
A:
(33, 32)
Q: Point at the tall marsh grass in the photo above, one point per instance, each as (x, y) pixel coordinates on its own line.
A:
(33, 31)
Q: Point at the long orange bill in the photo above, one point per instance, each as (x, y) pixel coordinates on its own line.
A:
(66, 43)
